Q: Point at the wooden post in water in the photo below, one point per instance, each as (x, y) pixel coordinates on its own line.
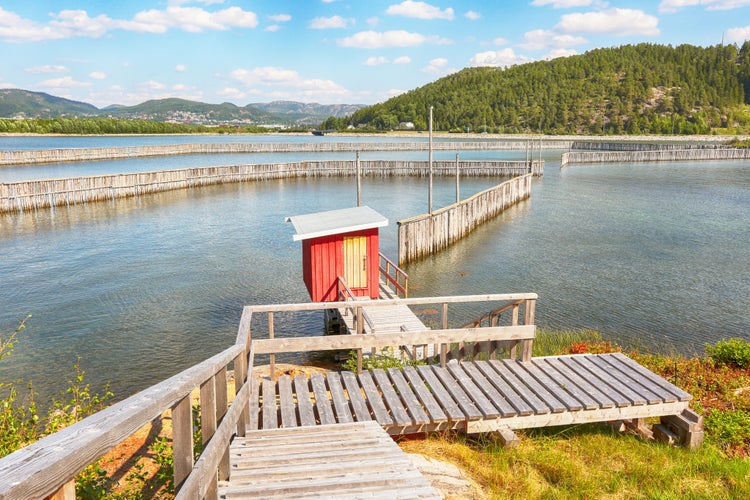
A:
(458, 187)
(430, 162)
(359, 183)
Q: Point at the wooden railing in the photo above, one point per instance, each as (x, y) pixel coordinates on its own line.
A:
(393, 275)
(453, 349)
(48, 467)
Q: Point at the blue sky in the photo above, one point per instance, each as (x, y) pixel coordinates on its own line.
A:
(326, 51)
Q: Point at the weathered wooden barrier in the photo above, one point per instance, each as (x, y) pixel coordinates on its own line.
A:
(642, 146)
(429, 233)
(654, 156)
(36, 156)
(34, 194)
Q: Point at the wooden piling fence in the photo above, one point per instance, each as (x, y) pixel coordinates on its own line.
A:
(29, 195)
(61, 155)
(654, 156)
(429, 233)
(642, 146)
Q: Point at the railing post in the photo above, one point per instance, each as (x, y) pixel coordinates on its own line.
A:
(360, 321)
(66, 492)
(443, 346)
(528, 319)
(208, 425)
(271, 357)
(182, 440)
(222, 404)
(240, 374)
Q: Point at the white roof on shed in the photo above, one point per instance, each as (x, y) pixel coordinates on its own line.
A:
(345, 220)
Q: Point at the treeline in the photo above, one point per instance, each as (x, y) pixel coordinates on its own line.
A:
(94, 126)
(632, 89)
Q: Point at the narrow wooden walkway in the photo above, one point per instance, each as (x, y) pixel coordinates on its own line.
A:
(354, 460)
(479, 396)
(384, 319)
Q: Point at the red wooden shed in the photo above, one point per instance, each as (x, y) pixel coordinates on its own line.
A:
(339, 243)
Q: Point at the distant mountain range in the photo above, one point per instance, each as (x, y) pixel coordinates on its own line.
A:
(18, 103)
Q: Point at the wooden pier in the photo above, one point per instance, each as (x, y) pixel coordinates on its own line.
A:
(281, 434)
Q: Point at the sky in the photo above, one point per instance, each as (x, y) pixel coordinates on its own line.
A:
(325, 51)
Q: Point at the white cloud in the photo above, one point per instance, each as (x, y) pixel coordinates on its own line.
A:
(77, 23)
(97, 75)
(500, 58)
(543, 39)
(152, 85)
(286, 83)
(7, 85)
(402, 60)
(190, 19)
(473, 16)
(373, 21)
(561, 52)
(376, 61)
(738, 35)
(273, 28)
(386, 39)
(436, 65)
(616, 22)
(280, 18)
(46, 69)
(65, 82)
(180, 68)
(419, 10)
(500, 41)
(562, 4)
(334, 22)
(670, 6)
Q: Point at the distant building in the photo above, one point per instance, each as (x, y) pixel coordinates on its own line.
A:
(406, 126)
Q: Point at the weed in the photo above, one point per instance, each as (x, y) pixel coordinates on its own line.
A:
(734, 352)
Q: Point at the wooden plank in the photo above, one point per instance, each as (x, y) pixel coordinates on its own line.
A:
(322, 402)
(497, 399)
(572, 385)
(514, 398)
(254, 403)
(429, 403)
(476, 395)
(286, 401)
(340, 403)
(552, 386)
(398, 413)
(270, 417)
(355, 396)
(447, 403)
(563, 365)
(608, 383)
(182, 439)
(418, 415)
(467, 406)
(304, 403)
(374, 399)
(651, 376)
(352, 342)
(506, 367)
(627, 380)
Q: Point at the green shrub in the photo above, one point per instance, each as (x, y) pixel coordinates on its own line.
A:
(386, 358)
(730, 428)
(734, 352)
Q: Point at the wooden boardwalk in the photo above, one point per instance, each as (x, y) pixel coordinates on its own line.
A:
(353, 460)
(479, 396)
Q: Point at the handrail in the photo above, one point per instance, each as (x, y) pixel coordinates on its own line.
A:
(385, 273)
(47, 466)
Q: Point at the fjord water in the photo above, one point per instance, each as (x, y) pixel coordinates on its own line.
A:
(650, 255)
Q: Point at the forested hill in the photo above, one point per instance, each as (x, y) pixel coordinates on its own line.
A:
(631, 89)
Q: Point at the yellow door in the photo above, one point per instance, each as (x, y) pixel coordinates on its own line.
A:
(355, 261)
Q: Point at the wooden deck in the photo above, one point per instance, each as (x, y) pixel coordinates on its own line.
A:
(353, 460)
(479, 396)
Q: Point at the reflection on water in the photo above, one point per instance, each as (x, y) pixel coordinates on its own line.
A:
(650, 254)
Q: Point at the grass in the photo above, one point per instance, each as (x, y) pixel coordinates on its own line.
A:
(593, 461)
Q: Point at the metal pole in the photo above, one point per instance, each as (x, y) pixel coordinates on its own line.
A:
(359, 183)
(458, 187)
(430, 162)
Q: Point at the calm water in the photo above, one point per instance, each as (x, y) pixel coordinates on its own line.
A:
(652, 255)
